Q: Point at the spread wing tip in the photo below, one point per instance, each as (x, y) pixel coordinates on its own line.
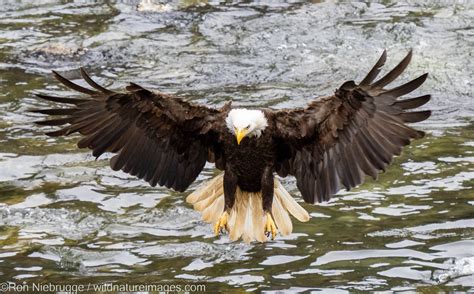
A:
(68, 83)
(369, 78)
(395, 72)
(72, 85)
(93, 84)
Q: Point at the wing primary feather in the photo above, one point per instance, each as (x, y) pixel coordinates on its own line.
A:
(412, 102)
(375, 70)
(411, 117)
(408, 87)
(55, 122)
(93, 84)
(72, 85)
(57, 133)
(62, 99)
(56, 111)
(394, 73)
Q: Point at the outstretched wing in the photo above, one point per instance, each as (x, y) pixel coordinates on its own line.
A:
(157, 137)
(335, 141)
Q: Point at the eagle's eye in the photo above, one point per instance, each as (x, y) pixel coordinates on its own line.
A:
(247, 127)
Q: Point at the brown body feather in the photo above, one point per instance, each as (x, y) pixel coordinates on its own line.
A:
(332, 143)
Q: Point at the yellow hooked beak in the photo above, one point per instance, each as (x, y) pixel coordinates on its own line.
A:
(240, 134)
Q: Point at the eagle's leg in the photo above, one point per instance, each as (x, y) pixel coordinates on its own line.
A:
(267, 198)
(221, 224)
(230, 187)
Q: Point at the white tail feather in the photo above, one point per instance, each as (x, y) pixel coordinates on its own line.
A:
(247, 218)
(289, 203)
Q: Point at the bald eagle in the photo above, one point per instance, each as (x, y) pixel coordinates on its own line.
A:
(332, 143)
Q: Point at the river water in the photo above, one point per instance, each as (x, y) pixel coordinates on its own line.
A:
(65, 217)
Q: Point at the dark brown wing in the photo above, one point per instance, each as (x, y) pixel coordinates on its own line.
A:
(335, 141)
(159, 138)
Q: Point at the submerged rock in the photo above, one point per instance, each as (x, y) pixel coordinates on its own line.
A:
(58, 50)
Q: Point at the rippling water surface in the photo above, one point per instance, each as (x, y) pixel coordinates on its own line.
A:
(65, 216)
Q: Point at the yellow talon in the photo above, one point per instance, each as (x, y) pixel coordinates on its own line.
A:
(270, 226)
(221, 224)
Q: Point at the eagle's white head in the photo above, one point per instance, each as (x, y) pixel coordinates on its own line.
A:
(246, 122)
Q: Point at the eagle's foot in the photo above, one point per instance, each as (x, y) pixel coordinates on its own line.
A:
(221, 224)
(270, 227)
